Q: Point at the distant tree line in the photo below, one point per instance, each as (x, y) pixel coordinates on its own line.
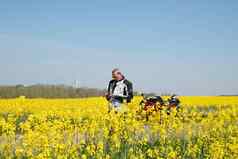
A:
(48, 91)
(227, 95)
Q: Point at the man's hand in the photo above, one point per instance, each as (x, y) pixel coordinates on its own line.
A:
(108, 96)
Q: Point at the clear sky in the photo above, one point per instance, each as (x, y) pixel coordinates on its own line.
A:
(185, 46)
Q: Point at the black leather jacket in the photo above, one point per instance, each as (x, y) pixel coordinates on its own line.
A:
(127, 94)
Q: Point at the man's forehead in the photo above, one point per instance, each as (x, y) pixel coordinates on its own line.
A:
(115, 70)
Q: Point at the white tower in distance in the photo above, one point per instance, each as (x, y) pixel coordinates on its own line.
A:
(76, 84)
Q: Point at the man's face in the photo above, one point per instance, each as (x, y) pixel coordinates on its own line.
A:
(117, 75)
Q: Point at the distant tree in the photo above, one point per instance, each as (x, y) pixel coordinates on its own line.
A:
(48, 91)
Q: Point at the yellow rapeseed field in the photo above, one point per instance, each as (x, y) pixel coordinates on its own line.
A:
(205, 127)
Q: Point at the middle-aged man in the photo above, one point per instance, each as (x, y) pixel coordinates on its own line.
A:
(119, 90)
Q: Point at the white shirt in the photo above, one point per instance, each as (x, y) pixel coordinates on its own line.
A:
(120, 88)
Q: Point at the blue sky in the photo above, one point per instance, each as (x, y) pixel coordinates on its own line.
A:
(185, 46)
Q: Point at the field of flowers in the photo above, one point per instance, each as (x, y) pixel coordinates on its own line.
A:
(205, 127)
